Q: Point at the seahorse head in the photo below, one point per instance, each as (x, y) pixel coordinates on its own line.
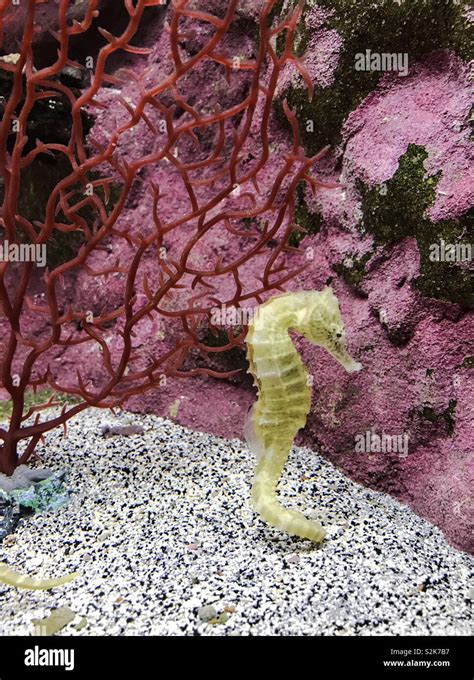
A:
(323, 326)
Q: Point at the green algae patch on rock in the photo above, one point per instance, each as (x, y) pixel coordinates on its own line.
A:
(446, 419)
(397, 209)
(32, 399)
(308, 223)
(468, 363)
(352, 270)
(412, 28)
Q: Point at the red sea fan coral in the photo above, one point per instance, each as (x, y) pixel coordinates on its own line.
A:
(49, 247)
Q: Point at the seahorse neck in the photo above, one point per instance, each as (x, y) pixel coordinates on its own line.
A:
(283, 313)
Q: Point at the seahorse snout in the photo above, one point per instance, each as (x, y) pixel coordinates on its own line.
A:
(340, 353)
(353, 366)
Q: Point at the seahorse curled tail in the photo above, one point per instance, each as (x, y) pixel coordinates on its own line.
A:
(12, 578)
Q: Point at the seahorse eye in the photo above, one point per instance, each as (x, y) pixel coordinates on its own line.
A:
(338, 335)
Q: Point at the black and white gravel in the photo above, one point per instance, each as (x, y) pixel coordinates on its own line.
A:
(160, 527)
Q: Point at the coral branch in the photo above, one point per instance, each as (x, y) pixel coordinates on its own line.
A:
(48, 317)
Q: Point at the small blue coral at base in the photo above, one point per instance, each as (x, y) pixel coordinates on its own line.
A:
(44, 496)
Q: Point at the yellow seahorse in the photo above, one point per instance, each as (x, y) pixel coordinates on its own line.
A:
(12, 578)
(284, 393)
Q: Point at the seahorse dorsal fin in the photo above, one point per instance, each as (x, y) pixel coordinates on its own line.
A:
(250, 434)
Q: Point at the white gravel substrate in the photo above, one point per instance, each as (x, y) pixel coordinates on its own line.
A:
(160, 527)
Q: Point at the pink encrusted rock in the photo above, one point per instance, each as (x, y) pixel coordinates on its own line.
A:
(411, 383)
(321, 56)
(430, 107)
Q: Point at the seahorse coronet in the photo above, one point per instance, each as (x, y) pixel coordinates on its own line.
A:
(284, 393)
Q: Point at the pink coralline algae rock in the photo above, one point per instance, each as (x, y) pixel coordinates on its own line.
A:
(321, 56)
(430, 107)
(417, 377)
(412, 383)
